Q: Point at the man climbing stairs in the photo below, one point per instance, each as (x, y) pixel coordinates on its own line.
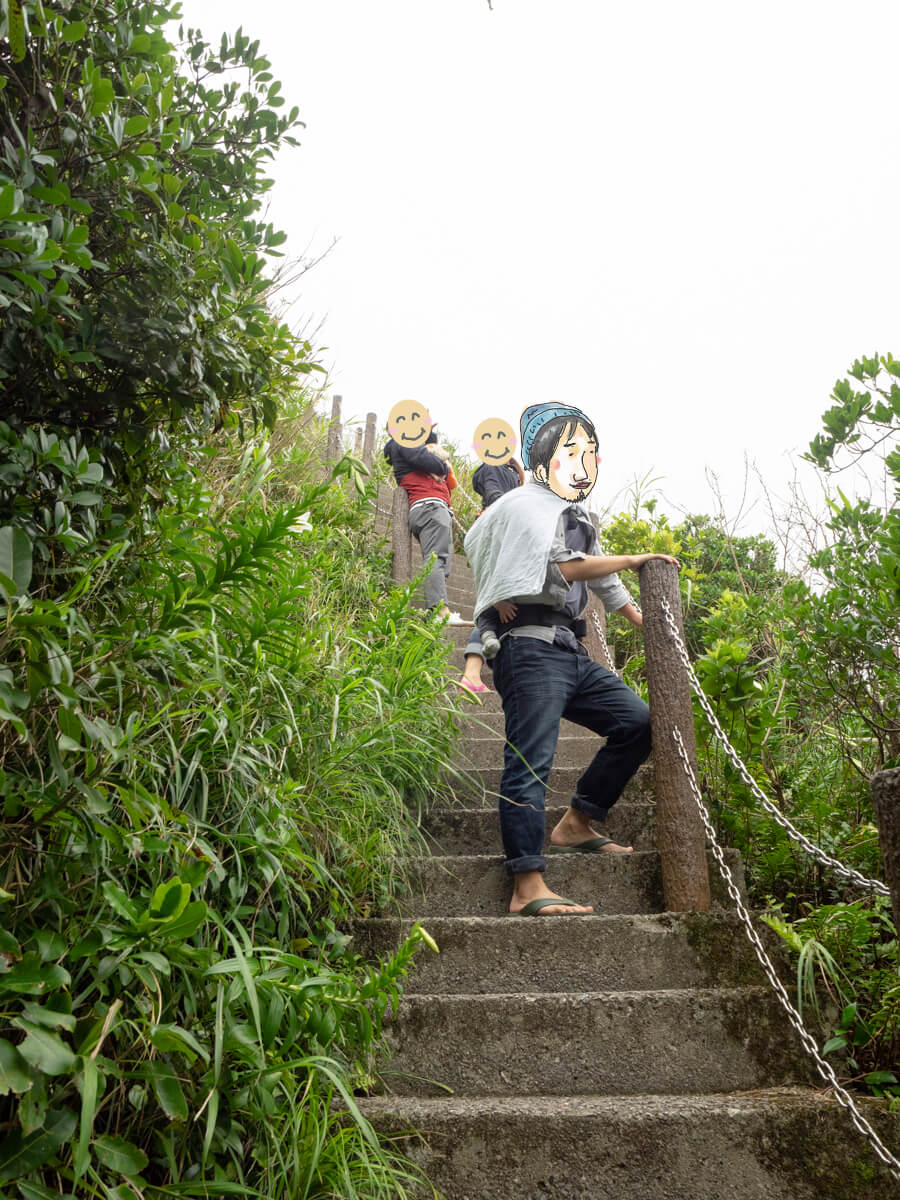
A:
(631, 1053)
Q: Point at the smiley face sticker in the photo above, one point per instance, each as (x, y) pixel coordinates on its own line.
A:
(409, 423)
(494, 441)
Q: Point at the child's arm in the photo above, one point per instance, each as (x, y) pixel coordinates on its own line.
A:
(630, 613)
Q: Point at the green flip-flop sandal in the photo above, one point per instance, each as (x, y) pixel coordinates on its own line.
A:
(534, 907)
(592, 846)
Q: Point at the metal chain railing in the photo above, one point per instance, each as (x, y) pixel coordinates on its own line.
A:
(458, 523)
(792, 831)
(604, 644)
(824, 1068)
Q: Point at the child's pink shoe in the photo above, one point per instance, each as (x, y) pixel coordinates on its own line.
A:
(479, 689)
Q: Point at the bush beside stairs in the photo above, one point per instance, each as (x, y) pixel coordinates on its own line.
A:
(632, 1053)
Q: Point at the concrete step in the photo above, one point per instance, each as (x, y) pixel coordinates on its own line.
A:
(478, 886)
(690, 1040)
(481, 724)
(777, 1144)
(482, 786)
(480, 955)
(572, 750)
(460, 596)
(477, 830)
(458, 635)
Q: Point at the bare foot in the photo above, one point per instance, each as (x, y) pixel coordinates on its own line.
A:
(530, 886)
(575, 828)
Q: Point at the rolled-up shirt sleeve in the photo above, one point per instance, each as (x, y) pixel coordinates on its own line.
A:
(611, 592)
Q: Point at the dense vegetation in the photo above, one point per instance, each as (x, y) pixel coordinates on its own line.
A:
(802, 670)
(216, 717)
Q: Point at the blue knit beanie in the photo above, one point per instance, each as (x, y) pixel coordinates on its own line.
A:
(533, 420)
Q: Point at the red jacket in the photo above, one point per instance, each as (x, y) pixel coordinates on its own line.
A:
(425, 487)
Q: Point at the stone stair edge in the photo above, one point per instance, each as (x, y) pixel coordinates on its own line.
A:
(789, 1142)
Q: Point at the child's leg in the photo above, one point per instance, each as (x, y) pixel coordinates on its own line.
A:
(489, 626)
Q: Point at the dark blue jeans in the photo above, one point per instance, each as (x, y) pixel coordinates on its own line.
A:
(539, 684)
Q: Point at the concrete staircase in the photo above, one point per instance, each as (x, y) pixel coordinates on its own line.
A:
(632, 1053)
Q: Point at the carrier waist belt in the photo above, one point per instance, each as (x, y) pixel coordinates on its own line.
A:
(542, 614)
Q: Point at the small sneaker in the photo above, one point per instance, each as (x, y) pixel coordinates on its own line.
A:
(455, 619)
(490, 644)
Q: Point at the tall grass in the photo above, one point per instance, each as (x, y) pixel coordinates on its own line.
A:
(219, 737)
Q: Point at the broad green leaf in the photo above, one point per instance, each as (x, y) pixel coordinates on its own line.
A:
(136, 125)
(8, 944)
(14, 1073)
(16, 557)
(9, 200)
(118, 900)
(32, 977)
(187, 924)
(120, 1155)
(37, 1191)
(74, 31)
(39, 1014)
(169, 900)
(168, 1090)
(171, 1038)
(20, 1155)
(44, 1050)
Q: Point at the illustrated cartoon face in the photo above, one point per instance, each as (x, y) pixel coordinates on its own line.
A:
(494, 441)
(573, 467)
(409, 423)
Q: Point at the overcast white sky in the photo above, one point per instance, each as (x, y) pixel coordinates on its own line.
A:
(681, 217)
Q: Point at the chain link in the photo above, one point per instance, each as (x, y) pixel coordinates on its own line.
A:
(825, 1069)
(793, 832)
(458, 523)
(598, 629)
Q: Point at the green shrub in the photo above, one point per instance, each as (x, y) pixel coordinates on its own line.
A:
(216, 742)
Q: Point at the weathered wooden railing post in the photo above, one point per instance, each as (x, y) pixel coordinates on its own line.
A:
(680, 834)
(335, 435)
(401, 538)
(886, 802)
(368, 453)
(357, 442)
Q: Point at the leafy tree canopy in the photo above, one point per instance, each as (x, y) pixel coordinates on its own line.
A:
(133, 252)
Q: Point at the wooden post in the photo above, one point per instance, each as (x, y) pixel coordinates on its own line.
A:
(369, 441)
(334, 430)
(401, 538)
(680, 833)
(595, 642)
(357, 442)
(886, 802)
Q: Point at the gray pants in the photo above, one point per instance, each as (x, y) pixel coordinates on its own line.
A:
(429, 523)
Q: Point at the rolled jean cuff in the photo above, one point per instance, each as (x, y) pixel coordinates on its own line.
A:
(594, 811)
(529, 862)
